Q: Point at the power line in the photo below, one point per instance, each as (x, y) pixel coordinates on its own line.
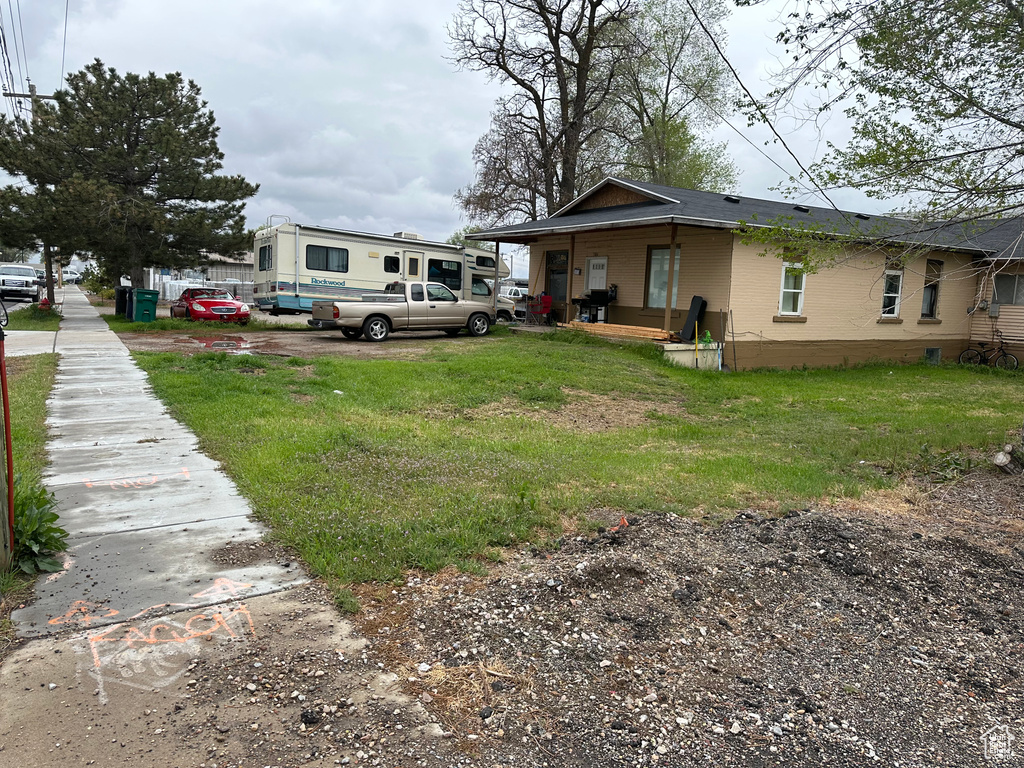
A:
(64, 48)
(17, 48)
(764, 117)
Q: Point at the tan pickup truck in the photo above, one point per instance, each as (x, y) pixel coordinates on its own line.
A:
(404, 307)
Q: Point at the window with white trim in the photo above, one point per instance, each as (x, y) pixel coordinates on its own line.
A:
(892, 287)
(791, 294)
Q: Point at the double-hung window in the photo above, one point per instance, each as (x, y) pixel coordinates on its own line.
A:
(892, 287)
(791, 294)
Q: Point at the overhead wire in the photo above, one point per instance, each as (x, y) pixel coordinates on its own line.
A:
(762, 114)
(64, 46)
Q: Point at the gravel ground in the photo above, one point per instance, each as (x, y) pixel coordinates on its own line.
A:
(819, 637)
(885, 631)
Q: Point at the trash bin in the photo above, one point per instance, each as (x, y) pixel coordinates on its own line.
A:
(121, 300)
(144, 309)
(129, 312)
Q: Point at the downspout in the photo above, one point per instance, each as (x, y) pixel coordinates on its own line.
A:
(670, 288)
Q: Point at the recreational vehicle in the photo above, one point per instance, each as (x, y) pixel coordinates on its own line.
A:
(297, 265)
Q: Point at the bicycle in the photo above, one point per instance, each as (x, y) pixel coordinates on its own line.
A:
(997, 356)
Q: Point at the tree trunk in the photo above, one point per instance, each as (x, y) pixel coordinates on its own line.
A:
(48, 266)
(137, 273)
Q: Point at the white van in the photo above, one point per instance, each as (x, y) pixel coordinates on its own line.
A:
(335, 264)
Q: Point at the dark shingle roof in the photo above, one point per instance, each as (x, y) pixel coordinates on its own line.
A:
(995, 238)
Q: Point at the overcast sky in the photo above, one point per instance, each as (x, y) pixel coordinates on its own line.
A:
(347, 114)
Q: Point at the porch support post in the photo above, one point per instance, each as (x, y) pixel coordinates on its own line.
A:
(671, 280)
(568, 276)
(497, 279)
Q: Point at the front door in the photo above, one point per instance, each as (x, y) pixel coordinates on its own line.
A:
(558, 282)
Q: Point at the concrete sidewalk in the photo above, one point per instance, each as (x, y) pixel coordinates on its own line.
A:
(146, 510)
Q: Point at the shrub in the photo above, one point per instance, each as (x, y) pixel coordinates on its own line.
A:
(37, 537)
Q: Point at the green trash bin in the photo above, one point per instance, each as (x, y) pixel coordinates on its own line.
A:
(144, 305)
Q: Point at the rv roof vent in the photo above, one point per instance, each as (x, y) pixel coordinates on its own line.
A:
(731, 199)
(801, 208)
(862, 216)
(408, 235)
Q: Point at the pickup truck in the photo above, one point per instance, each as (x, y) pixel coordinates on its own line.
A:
(404, 307)
(19, 281)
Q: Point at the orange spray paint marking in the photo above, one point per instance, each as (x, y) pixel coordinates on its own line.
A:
(82, 612)
(129, 636)
(223, 587)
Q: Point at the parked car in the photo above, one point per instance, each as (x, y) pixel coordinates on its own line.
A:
(69, 275)
(210, 304)
(19, 281)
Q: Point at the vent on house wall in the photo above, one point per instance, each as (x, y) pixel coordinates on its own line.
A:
(731, 199)
(801, 208)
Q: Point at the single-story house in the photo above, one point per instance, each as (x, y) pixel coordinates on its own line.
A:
(899, 291)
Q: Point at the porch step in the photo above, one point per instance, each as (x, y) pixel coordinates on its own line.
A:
(623, 331)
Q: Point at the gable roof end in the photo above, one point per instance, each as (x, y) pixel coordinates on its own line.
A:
(632, 186)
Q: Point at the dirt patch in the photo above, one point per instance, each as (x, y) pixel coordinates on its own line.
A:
(305, 344)
(582, 411)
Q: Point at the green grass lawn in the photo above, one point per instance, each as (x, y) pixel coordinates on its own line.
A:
(369, 467)
(30, 380)
(32, 318)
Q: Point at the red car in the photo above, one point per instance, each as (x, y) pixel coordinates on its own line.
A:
(210, 304)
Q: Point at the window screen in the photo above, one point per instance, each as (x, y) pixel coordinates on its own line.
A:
(392, 264)
(325, 259)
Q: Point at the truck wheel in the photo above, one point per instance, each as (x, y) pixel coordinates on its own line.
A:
(376, 329)
(504, 317)
(479, 325)
(351, 333)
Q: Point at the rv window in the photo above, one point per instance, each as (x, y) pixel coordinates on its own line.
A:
(447, 272)
(266, 257)
(416, 291)
(326, 259)
(391, 264)
(480, 287)
(485, 261)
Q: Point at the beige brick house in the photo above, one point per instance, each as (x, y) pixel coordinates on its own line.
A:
(959, 283)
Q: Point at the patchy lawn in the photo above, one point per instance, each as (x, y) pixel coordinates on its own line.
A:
(370, 467)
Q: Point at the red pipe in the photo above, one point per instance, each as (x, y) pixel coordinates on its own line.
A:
(7, 442)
